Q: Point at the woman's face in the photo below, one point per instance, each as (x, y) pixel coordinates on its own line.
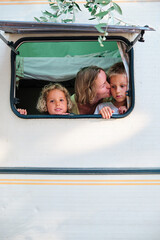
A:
(102, 87)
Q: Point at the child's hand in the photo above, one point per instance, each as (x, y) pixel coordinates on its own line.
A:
(122, 109)
(106, 112)
(22, 111)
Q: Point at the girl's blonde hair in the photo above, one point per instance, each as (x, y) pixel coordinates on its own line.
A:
(42, 100)
(84, 84)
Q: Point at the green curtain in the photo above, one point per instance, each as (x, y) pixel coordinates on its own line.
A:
(62, 68)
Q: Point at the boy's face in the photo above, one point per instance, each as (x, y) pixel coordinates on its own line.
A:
(118, 85)
(56, 102)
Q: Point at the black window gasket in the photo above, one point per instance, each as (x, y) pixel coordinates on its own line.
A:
(73, 38)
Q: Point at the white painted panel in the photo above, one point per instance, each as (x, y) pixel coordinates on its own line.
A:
(115, 210)
(106, 208)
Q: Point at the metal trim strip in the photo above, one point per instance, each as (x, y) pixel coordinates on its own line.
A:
(78, 171)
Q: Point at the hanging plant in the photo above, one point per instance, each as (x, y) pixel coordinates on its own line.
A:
(61, 11)
(101, 10)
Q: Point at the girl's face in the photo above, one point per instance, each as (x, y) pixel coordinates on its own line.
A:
(56, 102)
(118, 85)
(101, 86)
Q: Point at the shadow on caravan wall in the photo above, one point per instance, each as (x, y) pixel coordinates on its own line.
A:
(41, 61)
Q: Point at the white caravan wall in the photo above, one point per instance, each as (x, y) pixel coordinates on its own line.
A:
(89, 207)
(129, 142)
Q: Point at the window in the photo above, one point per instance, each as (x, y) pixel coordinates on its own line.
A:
(43, 60)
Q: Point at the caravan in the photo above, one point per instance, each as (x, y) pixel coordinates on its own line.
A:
(78, 176)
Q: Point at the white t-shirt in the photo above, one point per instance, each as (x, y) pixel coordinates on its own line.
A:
(106, 104)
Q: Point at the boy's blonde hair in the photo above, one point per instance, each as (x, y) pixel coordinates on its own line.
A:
(42, 100)
(117, 68)
(84, 84)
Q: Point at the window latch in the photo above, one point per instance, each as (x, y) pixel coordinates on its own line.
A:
(9, 44)
(138, 38)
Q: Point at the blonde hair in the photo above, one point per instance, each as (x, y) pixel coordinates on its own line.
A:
(117, 68)
(42, 100)
(84, 84)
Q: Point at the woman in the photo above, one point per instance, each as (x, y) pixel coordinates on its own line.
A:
(91, 88)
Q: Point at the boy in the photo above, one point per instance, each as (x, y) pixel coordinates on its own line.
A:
(118, 83)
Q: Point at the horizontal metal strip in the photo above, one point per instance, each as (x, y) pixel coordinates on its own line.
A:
(78, 171)
(36, 27)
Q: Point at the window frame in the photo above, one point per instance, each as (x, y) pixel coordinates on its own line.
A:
(71, 38)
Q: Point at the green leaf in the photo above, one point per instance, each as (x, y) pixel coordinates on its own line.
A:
(78, 6)
(86, 5)
(110, 9)
(70, 9)
(44, 19)
(90, 9)
(92, 18)
(93, 12)
(54, 7)
(37, 19)
(48, 14)
(67, 20)
(69, 5)
(117, 8)
(102, 14)
(100, 26)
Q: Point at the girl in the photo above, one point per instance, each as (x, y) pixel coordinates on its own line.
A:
(53, 99)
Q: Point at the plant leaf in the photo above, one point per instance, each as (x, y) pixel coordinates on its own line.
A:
(92, 18)
(102, 14)
(37, 19)
(100, 26)
(44, 19)
(78, 6)
(90, 9)
(48, 13)
(67, 20)
(117, 8)
(93, 12)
